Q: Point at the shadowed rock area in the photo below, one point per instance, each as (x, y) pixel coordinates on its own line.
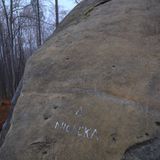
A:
(92, 92)
(148, 150)
(4, 110)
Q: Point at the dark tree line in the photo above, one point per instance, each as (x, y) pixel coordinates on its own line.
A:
(23, 28)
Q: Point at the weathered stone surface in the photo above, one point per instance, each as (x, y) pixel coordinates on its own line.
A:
(92, 91)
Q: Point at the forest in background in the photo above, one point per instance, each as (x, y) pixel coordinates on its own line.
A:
(24, 27)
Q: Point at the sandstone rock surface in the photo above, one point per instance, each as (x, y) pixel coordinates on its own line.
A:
(92, 92)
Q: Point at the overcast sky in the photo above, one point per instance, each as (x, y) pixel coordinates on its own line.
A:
(69, 4)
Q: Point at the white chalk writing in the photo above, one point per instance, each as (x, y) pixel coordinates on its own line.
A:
(81, 131)
(79, 111)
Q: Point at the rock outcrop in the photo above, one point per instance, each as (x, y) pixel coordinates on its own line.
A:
(92, 92)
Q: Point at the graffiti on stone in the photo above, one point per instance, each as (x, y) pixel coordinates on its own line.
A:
(80, 131)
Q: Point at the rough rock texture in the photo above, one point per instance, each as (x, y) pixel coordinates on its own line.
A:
(92, 92)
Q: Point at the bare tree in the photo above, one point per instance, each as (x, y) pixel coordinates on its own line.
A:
(57, 13)
(38, 24)
(37, 14)
(23, 28)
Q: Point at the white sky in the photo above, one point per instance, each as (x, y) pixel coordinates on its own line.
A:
(68, 4)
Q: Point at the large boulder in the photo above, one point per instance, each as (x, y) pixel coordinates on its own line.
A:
(92, 92)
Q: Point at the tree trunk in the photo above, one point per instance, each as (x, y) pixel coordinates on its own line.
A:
(57, 13)
(39, 24)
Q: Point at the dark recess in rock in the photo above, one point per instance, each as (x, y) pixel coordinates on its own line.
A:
(55, 107)
(102, 2)
(7, 124)
(147, 150)
(157, 123)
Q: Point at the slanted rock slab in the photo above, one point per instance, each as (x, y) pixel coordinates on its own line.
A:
(92, 91)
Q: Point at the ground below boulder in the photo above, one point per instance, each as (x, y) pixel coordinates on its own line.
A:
(5, 108)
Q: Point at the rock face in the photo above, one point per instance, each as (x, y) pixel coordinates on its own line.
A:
(92, 92)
